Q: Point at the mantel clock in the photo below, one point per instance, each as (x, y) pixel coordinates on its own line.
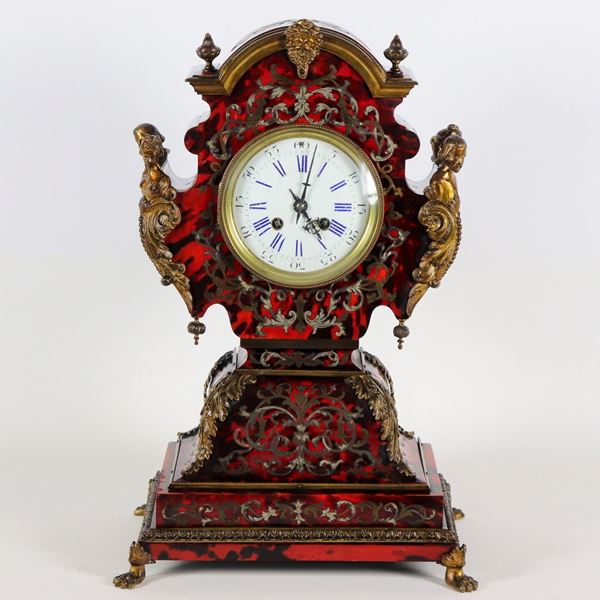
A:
(300, 222)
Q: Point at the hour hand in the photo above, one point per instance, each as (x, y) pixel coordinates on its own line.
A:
(300, 206)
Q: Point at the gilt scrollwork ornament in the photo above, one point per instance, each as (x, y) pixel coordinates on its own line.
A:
(303, 42)
(325, 100)
(231, 513)
(440, 215)
(383, 407)
(311, 430)
(299, 359)
(216, 408)
(371, 358)
(158, 212)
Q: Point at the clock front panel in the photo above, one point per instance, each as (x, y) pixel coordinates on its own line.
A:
(301, 206)
(273, 300)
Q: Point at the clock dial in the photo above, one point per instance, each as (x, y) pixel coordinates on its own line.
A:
(301, 205)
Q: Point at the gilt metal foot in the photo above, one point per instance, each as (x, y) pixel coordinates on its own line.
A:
(138, 558)
(141, 509)
(458, 514)
(454, 561)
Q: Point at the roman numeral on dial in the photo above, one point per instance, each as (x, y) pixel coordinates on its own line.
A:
(277, 242)
(338, 185)
(341, 207)
(262, 225)
(302, 160)
(337, 228)
(279, 168)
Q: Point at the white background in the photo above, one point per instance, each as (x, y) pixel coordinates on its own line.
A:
(499, 373)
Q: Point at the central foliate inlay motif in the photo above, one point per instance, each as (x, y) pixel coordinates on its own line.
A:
(313, 430)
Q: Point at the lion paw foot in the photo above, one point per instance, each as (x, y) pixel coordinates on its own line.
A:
(129, 580)
(461, 582)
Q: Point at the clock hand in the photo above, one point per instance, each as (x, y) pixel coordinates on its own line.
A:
(306, 184)
(300, 206)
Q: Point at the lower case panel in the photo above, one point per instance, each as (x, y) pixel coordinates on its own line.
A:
(300, 543)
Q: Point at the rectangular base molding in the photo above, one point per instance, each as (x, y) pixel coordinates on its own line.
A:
(241, 527)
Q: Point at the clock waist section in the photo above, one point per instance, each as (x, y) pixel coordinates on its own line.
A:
(293, 344)
(275, 358)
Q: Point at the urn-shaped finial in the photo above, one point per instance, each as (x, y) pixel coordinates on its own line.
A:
(208, 52)
(395, 53)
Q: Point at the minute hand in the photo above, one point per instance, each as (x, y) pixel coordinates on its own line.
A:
(306, 184)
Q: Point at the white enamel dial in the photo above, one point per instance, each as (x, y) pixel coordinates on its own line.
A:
(301, 205)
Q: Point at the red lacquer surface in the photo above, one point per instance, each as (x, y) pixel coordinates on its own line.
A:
(299, 552)
(190, 503)
(219, 506)
(300, 430)
(305, 509)
(256, 308)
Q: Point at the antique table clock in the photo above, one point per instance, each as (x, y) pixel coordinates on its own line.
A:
(300, 222)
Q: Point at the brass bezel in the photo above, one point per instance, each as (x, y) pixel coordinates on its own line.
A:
(296, 279)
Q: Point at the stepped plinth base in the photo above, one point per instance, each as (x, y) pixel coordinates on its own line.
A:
(252, 523)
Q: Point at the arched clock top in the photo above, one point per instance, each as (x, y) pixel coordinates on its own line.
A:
(303, 40)
(301, 75)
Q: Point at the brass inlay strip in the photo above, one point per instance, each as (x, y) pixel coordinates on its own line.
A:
(299, 535)
(261, 485)
(392, 535)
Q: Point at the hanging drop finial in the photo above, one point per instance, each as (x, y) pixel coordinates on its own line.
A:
(208, 52)
(196, 328)
(395, 53)
(401, 331)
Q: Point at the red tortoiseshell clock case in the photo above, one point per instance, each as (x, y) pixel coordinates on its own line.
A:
(298, 454)
(270, 94)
